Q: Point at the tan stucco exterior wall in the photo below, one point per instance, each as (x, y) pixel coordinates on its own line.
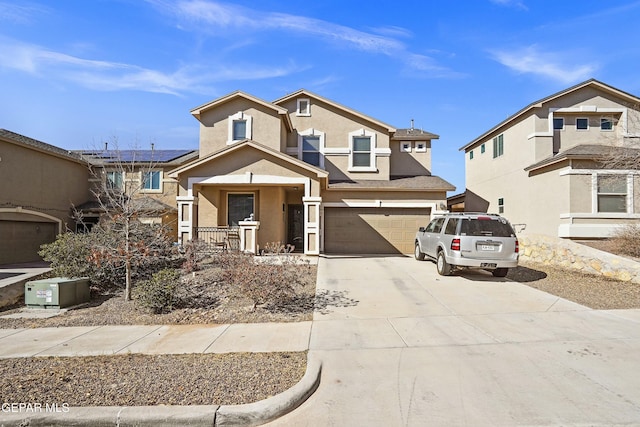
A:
(214, 125)
(409, 163)
(41, 182)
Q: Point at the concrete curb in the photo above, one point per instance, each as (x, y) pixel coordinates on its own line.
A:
(251, 414)
(254, 414)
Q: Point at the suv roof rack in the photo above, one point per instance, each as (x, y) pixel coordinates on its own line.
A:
(472, 213)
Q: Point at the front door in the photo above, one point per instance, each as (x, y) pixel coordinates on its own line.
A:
(295, 227)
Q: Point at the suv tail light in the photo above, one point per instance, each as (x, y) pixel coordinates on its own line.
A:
(517, 246)
(455, 245)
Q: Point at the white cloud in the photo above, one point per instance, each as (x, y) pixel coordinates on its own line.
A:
(556, 66)
(519, 4)
(10, 12)
(223, 19)
(105, 75)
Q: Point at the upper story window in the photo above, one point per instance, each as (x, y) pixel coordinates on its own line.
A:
(558, 123)
(606, 123)
(421, 147)
(240, 125)
(115, 180)
(311, 147)
(582, 123)
(362, 144)
(304, 107)
(405, 147)
(612, 193)
(482, 149)
(498, 146)
(152, 181)
(471, 155)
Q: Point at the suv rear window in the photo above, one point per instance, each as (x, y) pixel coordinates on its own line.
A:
(486, 227)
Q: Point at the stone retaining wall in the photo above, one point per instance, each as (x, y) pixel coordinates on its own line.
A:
(568, 254)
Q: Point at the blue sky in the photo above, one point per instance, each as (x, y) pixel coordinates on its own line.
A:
(75, 73)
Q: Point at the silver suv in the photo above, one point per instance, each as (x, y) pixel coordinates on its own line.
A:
(469, 240)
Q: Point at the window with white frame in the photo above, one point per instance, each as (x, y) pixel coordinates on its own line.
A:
(311, 147)
(362, 144)
(421, 147)
(498, 146)
(240, 125)
(405, 146)
(152, 181)
(606, 123)
(501, 205)
(304, 107)
(611, 193)
(582, 123)
(115, 180)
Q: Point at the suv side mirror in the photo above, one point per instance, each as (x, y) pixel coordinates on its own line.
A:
(421, 229)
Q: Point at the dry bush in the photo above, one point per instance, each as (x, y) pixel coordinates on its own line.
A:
(626, 240)
(262, 282)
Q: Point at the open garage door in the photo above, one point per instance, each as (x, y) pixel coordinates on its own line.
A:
(20, 240)
(372, 230)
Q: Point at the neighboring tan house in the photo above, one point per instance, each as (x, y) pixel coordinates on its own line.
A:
(549, 168)
(306, 171)
(38, 185)
(140, 173)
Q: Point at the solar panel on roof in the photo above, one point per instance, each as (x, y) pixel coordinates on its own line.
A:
(161, 156)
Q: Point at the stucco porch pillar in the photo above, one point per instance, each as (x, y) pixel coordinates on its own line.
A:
(187, 219)
(249, 236)
(311, 225)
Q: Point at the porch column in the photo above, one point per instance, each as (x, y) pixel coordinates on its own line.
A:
(311, 225)
(249, 236)
(186, 218)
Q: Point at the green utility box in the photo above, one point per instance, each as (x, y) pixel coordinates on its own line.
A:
(57, 292)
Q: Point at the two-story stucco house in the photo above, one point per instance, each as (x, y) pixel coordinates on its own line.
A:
(38, 185)
(306, 171)
(141, 174)
(548, 167)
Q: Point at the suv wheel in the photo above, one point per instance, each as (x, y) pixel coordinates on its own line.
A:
(444, 269)
(417, 253)
(500, 272)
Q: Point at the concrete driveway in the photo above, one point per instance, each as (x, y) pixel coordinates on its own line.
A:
(402, 346)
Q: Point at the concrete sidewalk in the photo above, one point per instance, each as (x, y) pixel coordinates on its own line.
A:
(167, 339)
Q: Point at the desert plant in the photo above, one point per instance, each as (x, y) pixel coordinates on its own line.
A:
(626, 240)
(262, 282)
(194, 253)
(69, 255)
(158, 294)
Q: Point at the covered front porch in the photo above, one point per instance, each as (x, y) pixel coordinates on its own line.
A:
(264, 196)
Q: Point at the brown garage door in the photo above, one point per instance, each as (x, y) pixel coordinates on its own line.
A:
(21, 240)
(372, 230)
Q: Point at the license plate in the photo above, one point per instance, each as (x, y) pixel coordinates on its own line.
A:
(488, 265)
(487, 248)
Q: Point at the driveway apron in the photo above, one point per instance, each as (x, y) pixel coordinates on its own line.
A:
(402, 346)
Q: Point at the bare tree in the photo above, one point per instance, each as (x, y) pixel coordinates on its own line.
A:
(120, 179)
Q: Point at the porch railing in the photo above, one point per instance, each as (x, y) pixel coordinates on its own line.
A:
(218, 238)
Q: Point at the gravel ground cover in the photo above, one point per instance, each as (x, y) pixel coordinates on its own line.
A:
(230, 378)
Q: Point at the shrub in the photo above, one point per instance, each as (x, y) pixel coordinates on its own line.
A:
(626, 240)
(69, 255)
(262, 282)
(158, 294)
(194, 253)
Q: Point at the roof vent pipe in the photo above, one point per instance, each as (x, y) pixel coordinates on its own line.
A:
(411, 124)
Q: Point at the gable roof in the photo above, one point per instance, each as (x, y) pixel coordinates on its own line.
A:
(196, 112)
(333, 104)
(413, 134)
(25, 141)
(415, 183)
(586, 152)
(538, 104)
(248, 143)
